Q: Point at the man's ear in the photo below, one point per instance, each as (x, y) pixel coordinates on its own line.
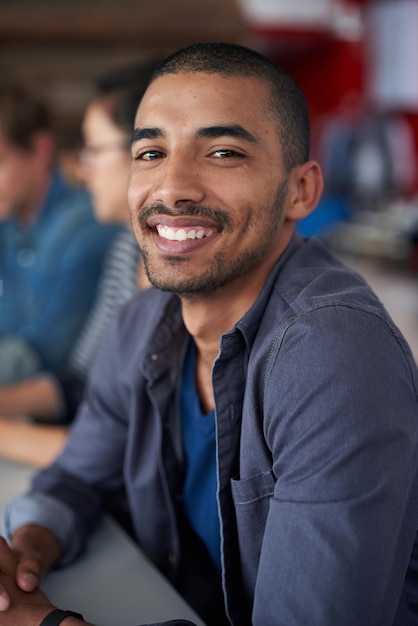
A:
(305, 188)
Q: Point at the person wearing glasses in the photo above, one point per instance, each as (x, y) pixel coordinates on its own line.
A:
(52, 398)
(51, 246)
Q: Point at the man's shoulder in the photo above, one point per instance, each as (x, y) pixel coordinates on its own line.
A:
(322, 317)
(320, 300)
(311, 289)
(313, 278)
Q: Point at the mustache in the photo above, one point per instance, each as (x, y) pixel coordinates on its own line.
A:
(195, 210)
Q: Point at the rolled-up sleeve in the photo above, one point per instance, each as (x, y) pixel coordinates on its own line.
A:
(44, 510)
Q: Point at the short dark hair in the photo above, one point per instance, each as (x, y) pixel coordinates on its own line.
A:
(287, 101)
(123, 89)
(22, 115)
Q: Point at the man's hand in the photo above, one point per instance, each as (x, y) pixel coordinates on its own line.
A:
(34, 550)
(17, 606)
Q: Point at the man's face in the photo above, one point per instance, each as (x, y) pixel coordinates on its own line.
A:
(208, 190)
(16, 178)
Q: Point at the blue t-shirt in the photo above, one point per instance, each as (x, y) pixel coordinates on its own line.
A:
(199, 444)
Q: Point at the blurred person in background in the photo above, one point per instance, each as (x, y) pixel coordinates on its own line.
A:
(51, 246)
(106, 161)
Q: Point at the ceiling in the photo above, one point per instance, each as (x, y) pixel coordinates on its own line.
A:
(144, 23)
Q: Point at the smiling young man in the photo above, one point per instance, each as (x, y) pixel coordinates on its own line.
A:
(260, 412)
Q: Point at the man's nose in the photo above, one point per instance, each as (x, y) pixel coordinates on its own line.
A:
(180, 182)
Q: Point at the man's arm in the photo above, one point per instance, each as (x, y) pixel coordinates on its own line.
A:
(341, 422)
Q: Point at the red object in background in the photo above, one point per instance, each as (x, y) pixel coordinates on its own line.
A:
(327, 72)
(328, 68)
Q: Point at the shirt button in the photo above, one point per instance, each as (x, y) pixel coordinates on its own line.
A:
(172, 559)
(154, 357)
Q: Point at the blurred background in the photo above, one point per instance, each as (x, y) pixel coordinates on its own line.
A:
(356, 60)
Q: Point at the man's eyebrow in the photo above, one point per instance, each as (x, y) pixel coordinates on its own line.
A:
(207, 132)
(146, 133)
(226, 130)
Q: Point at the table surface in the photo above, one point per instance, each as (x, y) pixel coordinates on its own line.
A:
(113, 583)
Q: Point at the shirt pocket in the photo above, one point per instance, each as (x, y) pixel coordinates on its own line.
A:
(251, 498)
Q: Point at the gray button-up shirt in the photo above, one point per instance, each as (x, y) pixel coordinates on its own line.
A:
(317, 445)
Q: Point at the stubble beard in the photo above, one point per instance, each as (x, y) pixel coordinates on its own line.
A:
(222, 271)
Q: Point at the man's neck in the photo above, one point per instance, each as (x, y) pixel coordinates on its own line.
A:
(206, 319)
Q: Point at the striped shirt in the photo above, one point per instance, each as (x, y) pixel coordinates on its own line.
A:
(117, 284)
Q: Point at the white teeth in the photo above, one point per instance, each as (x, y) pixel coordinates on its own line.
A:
(169, 233)
(181, 234)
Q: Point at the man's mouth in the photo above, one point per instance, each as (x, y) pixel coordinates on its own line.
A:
(181, 234)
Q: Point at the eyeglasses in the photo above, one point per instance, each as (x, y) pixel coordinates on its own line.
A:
(88, 153)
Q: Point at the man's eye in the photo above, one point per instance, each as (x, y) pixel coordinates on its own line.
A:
(147, 155)
(226, 154)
